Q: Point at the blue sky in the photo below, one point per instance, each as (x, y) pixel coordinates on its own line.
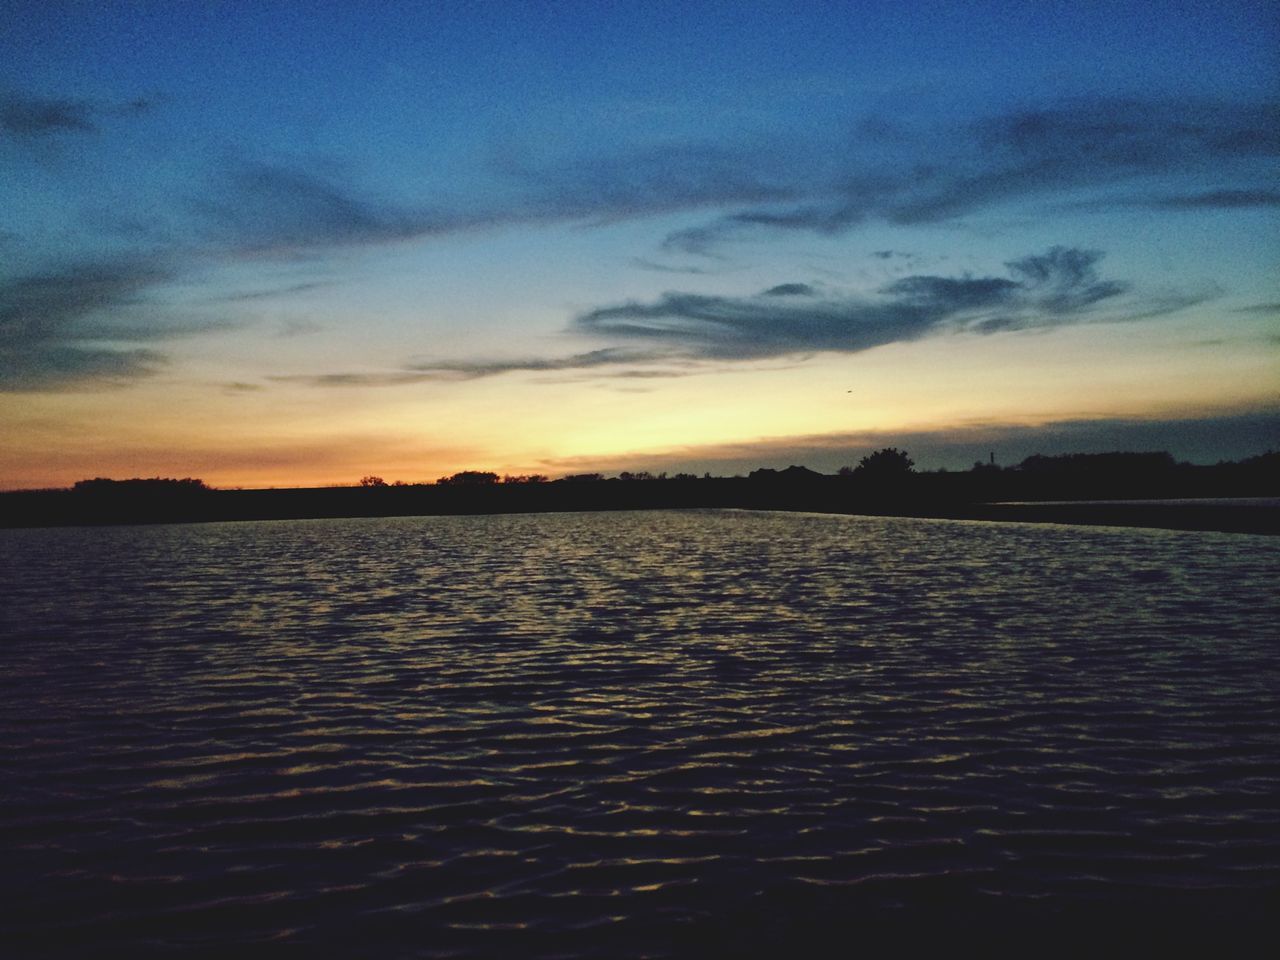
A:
(297, 242)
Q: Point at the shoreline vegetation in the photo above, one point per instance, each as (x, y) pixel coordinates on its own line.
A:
(1111, 489)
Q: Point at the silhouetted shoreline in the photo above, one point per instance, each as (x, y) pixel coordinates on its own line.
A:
(1099, 489)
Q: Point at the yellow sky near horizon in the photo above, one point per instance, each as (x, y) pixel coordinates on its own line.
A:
(188, 422)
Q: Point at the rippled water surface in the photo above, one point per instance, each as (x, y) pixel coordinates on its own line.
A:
(628, 734)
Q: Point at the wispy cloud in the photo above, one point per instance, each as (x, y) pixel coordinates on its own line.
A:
(648, 179)
(928, 176)
(272, 293)
(790, 290)
(259, 206)
(1218, 200)
(81, 326)
(426, 372)
(942, 174)
(644, 263)
(250, 208)
(1057, 287)
(679, 334)
(255, 206)
(1262, 309)
(25, 115)
(22, 115)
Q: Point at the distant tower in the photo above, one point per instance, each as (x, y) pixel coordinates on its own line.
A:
(993, 458)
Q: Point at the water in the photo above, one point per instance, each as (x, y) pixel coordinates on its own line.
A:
(637, 734)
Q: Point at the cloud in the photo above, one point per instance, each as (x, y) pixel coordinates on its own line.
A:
(390, 378)
(253, 206)
(50, 367)
(679, 334)
(286, 290)
(790, 290)
(426, 372)
(647, 180)
(1057, 287)
(257, 206)
(930, 176)
(22, 115)
(1217, 200)
(79, 326)
(1263, 309)
(592, 359)
(943, 174)
(27, 116)
(249, 208)
(646, 264)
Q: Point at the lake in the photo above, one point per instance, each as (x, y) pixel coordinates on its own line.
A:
(631, 734)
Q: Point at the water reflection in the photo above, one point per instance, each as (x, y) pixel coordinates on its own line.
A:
(629, 734)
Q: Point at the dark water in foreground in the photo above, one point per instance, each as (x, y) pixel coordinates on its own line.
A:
(630, 734)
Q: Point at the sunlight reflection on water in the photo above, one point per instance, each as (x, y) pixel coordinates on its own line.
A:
(611, 733)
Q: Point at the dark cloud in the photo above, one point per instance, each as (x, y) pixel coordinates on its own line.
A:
(646, 264)
(57, 367)
(250, 207)
(1260, 308)
(285, 290)
(136, 105)
(822, 218)
(679, 333)
(390, 378)
(260, 206)
(425, 372)
(647, 180)
(604, 357)
(1057, 287)
(1023, 155)
(790, 290)
(80, 326)
(22, 115)
(937, 175)
(1218, 200)
(1235, 198)
(256, 205)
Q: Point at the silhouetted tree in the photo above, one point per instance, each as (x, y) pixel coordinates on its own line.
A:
(524, 478)
(791, 474)
(141, 485)
(469, 478)
(888, 462)
(1118, 462)
(582, 477)
(372, 481)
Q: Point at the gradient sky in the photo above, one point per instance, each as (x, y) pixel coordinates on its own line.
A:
(295, 243)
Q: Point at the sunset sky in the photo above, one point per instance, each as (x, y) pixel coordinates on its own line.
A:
(272, 244)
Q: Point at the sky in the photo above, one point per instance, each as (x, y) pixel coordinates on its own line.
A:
(281, 244)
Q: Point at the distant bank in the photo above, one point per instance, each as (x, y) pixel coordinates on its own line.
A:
(1229, 498)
